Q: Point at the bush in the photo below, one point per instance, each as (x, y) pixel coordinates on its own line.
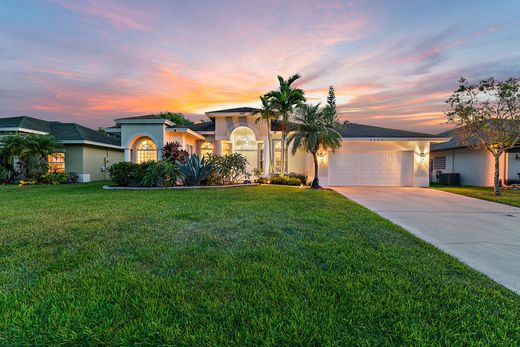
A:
(301, 177)
(173, 152)
(128, 174)
(286, 180)
(160, 174)
(262, 180)
(5, 176)
(72, 177)
(195, 170)
(54, 178)
(229, 168)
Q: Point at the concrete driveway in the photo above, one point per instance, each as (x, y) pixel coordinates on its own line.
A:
(485, 235)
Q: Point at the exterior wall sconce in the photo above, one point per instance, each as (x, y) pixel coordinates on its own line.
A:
(321, 153)
(517, 157)
(423, 156)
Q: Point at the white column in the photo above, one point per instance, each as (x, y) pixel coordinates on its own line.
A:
(128, 155)
(266, 158)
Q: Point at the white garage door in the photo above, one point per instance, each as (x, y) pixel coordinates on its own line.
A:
(364, 168)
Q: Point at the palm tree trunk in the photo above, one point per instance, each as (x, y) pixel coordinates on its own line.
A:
(316, 181)
(282, 164)
(497, 174)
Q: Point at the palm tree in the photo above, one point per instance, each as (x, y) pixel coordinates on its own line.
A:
(283, 102)
(313, 132)
(26, 148)
(267, 114)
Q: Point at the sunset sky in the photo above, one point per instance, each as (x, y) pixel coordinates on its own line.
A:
(392, 62)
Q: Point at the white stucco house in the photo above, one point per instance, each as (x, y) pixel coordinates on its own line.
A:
(476, 167)
(369, 156)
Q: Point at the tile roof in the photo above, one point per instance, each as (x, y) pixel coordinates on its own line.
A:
(235, 110)
(362, 130)
(62, 131)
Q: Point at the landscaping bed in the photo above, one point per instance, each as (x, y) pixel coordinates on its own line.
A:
(258, 265)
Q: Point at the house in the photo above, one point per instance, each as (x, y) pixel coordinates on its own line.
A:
(475, 166)
(87, 152)
(370, 155)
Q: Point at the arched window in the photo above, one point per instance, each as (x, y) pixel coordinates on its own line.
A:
(206, 149)
(243, 139)
(146, 150)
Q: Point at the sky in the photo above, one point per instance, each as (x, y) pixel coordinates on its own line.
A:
(392, 63)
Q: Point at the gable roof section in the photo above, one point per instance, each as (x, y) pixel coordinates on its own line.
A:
(235, 110)
(65, 132)
(204, 126)
(146, 116)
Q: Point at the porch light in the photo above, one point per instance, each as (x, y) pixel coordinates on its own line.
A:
(423, 156)
(321, 153)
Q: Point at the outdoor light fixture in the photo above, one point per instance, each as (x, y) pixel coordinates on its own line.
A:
(517, 157)
(321, 153)
(423, 156)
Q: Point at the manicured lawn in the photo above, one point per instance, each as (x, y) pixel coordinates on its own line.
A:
(508, 197)
(240, 266)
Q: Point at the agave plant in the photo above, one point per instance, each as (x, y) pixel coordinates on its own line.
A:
(194, 170)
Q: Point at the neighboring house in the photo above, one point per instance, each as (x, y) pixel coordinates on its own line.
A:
(87, 152)
(371, 156)
(475, 166)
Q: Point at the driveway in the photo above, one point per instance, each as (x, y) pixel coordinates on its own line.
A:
(485, 235)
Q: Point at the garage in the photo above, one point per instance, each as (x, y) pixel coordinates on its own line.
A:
(371, 168)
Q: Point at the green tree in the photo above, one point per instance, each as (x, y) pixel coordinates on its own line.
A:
(312, 134)
(283, 101)
(175, 117)
(488, 117)
(29, 149)
(267, 114)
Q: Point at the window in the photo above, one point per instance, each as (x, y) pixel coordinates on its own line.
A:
(243, 139)
(56, 162)
(278, 156)
(261, 156)
(226, 148)
(146, 150)
(439, 163)
(206, 149)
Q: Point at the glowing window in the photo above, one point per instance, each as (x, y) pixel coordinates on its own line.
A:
(243, 139)
(278, 156)
(146, 150)
(206, 149)
(226, 148)
(56, 162)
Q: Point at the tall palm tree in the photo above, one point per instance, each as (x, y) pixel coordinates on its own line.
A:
(41, 146)
(11, 147)
(283, 101)
(267, 114)
(313, 132)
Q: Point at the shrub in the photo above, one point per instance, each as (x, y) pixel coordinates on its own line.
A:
(160, 174)
(286, 180)
(54, 178)
(5, 175)
(229, 168)
(195, 170)
(262, 180)
(128, 174)
(72, 177)
(173, 152)
(301, 177)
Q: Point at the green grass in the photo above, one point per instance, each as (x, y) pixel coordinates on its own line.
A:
(508, 197)
(237, 266)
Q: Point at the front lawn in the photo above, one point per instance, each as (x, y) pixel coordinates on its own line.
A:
(235, 266)
(508, 197)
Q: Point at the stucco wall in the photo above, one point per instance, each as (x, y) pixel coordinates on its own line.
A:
(513, 165)
(476, 167)
(83, 160)
(420, 164)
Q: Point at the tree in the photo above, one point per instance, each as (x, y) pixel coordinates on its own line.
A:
(283, 102)
(175, 117)
(488, 117)
(313, 132)
(30, 150)
(267, 114)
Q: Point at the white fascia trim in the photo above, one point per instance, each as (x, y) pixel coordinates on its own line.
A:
(206, 132)
(24, 130)
(381, 139)
(92, 143)
(188, 131)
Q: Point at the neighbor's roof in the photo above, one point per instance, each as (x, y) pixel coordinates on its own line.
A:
(235, 110)
(453, 143)
(354, 130)
(62, 131)
(147, 116)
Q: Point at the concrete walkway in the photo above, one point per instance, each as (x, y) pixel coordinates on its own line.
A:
(485, 235)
